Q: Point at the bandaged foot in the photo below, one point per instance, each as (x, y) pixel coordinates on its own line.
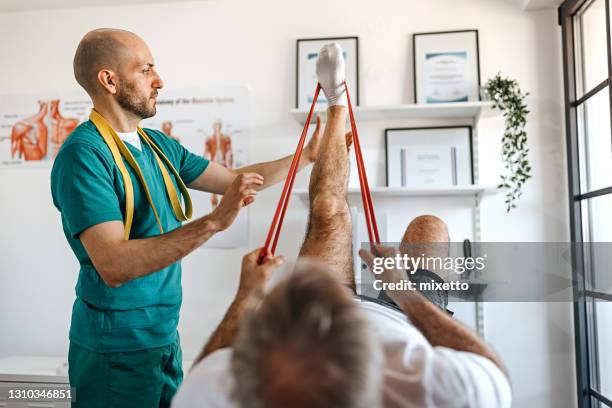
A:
(330, 71)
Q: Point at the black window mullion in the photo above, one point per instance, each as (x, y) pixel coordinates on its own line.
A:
(567, 10)
(580, 77)
(593, 194)
(592, 92)
(595, 381)
(599, 295)
(584, 300)
(608, 41)
(601, 398)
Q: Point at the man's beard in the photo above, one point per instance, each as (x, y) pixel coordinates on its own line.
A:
(129, 100)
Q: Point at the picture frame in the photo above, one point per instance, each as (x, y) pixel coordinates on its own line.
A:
(307, 50)
(429, 157)
(446, 66)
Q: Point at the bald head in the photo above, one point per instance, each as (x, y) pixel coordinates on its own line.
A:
(426, 228)
(117, 70)
(426, 234)
(104, 48)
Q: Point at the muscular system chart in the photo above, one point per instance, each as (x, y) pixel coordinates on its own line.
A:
(32, 129)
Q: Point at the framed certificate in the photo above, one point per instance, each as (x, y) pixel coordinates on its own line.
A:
(307, 51)
(446, 67)
(429, 157)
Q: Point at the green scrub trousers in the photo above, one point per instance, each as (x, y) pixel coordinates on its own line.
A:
(136, 379)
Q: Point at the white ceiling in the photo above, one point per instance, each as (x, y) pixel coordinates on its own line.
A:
(25, 5)
(537, 4)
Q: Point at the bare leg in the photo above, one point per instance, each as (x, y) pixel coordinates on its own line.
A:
(328, 237)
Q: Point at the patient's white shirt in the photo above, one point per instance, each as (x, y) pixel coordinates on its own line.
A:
(416, 374)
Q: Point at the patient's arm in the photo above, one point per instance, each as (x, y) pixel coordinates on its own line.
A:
(252, 282)
(328, 237)
(437, 327)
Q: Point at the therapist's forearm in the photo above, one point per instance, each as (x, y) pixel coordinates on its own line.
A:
(441, 330)
(273, 171)
(135, 258)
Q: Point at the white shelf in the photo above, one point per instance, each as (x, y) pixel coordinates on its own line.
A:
(467, 110)
(471, 190)
(34, 369)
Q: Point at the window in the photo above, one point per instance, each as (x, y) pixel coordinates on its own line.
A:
(587, 62)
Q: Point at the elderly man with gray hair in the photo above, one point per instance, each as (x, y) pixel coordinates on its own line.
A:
(311, 342)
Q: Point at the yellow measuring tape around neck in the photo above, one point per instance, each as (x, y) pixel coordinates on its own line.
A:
(119, 149)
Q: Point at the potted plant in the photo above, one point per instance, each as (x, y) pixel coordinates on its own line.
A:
(507, 97)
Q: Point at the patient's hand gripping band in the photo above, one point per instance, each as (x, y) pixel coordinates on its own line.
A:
(281, 209)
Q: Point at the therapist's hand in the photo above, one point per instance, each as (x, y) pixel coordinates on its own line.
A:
(253, 277)
(311, 151)
(239, 194)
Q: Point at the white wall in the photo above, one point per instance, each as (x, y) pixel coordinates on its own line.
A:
(229, 42)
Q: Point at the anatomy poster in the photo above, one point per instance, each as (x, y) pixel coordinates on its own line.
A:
(209, 122)
(33, 128)
(212, 123)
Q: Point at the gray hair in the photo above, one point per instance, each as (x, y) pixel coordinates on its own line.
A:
(307, 345)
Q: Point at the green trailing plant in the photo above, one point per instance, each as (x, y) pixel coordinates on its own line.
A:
(507, 97)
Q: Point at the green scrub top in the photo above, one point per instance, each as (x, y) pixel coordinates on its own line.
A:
(87, 189)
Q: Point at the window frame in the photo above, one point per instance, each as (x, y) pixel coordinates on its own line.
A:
(584, 319)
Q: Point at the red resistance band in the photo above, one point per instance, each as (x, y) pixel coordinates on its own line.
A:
(281, 209)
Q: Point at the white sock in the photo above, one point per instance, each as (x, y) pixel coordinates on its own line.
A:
(330, 71)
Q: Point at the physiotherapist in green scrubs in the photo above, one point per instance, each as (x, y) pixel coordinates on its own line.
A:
(124, 346)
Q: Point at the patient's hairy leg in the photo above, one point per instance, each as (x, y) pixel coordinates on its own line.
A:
(328, 237)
